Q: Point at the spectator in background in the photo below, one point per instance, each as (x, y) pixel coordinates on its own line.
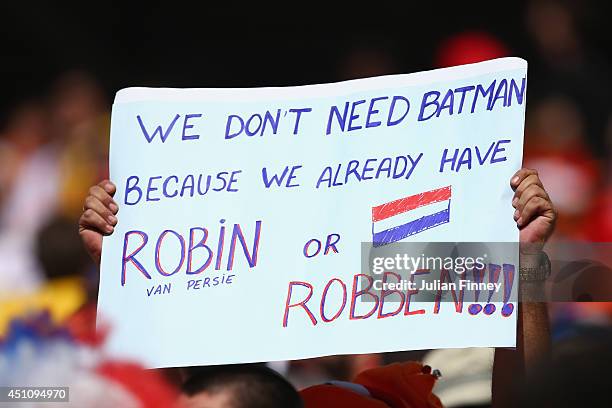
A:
(557, 148)
(568, 111)
(469, 47)
(239, 386)
(37, 353)
(30, 180)
(81, 123)
(51, 153)
(598, 226)
(70, 281)
(561, 64)
(576, 376)
(397, 385)
(365, 61)
(26, 131)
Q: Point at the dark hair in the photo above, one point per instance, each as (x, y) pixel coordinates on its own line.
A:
(250, 385)
(577, 375)
(59, 249)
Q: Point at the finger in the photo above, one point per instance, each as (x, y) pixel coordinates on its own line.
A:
(104, 197)
(527, 181)
(108, 186)
(535, 207)
(533, 190)
(519, 176)
(92, 220)
(96, 205)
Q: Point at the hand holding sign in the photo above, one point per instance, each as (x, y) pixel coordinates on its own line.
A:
(308, 174)
(98, 218)
(535, 214)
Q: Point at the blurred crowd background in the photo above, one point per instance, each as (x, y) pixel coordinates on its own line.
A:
(62, 64)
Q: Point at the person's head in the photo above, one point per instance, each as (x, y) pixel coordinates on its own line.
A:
(61, 255)
(27, 127)
(238, 386)
(76, 98)
(59, 249)
(577, 375)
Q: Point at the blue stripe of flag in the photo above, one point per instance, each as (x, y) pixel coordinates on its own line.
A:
(413, 227)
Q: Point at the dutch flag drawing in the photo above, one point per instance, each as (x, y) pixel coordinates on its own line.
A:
(426, 210)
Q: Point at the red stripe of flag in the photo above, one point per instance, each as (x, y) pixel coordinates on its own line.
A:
(405, 204)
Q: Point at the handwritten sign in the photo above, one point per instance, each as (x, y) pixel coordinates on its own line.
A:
(243, 214)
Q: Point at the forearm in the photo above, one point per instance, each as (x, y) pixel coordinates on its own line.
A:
(532, 344)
